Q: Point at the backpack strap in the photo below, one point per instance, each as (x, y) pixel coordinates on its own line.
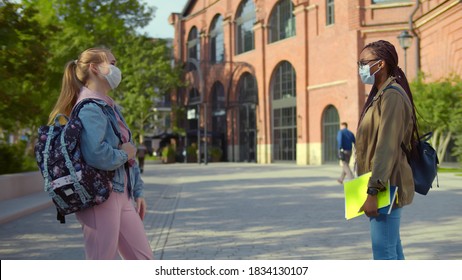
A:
(83, 194)
(85, 101)
(60, 217)
(403, 146)
(46, 154)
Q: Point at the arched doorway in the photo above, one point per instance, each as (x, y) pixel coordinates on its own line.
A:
(219, 118)
(284, 113)
(330, 127)
(247, 90)
(193, 109)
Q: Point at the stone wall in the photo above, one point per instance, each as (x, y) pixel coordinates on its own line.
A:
(20, 184)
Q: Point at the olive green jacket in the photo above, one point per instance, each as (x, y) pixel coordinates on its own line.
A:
(387, 123)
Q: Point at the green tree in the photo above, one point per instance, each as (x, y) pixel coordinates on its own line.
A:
(38, 37)
(88, 23)
(82, 24)
(437, 104)
(22, 56)
(456, 119)
(148, 77)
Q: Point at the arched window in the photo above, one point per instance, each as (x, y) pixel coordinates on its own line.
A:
(283, 83)
(245, 21)
(330, 127)
(248, 99)
(194, 44)
(217, 46)
(282, 21)
(247, 88)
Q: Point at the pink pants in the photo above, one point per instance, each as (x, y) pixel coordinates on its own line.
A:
(114, 227)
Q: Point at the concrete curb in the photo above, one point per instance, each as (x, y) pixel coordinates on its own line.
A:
(15, 208)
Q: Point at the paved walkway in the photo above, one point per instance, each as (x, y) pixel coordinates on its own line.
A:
(239, 211)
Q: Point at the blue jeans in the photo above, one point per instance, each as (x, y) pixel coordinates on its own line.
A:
(386, 242)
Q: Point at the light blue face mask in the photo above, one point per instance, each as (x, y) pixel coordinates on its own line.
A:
(114, 76)
(365, 73)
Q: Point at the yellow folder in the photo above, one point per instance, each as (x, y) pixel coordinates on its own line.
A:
(356, 193)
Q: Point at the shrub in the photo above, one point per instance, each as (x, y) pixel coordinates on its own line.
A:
(168, 154)
(191, 153)
(14, 160)
(215, 154)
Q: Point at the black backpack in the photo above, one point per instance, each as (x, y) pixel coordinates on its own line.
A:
(71, 183)
(424, 164)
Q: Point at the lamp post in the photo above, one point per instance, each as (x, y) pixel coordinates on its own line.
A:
(405, 41)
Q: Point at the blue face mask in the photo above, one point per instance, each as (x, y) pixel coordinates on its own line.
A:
(365, 73)
(114, 76)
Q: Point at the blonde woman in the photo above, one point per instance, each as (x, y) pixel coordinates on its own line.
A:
(115, 228)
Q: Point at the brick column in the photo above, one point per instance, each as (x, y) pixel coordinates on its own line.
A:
(263, 113)
(301, 68)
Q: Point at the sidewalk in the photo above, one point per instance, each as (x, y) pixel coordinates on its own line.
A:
(250, 211)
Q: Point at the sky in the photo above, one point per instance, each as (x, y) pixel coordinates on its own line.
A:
(159, 26)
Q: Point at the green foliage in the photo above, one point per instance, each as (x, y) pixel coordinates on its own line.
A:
(432, 99)
(168, 154)
(439, 109)
(37, 39)
(22, 57)
(179, 114)
(191, 153)
(13, 159)
(81, 24)
(450, 170)
(215, 153)
(148, 77)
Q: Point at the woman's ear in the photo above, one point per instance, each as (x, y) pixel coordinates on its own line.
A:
(93, 69)
(382, 64)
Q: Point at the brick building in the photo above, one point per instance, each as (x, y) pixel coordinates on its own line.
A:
(271, 80)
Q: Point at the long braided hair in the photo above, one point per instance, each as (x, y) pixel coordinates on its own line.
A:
(384, 50)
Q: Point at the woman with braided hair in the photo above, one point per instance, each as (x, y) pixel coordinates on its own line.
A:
(386, 121)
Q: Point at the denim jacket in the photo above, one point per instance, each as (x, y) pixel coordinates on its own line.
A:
(100, 145)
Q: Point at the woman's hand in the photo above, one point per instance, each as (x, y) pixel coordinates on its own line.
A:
(141, 207)
(370, 206)
(129, 149)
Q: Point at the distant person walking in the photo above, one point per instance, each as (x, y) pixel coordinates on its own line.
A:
(345, 142)
(141, 154)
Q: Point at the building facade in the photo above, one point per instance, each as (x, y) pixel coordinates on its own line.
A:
(271, 80)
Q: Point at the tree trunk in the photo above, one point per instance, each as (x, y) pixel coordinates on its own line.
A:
(440, 142)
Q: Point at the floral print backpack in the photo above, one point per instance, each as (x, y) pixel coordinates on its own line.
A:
(72, 184)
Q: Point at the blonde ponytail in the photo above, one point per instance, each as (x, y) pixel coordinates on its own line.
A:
(75, 76)
(70, 89)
